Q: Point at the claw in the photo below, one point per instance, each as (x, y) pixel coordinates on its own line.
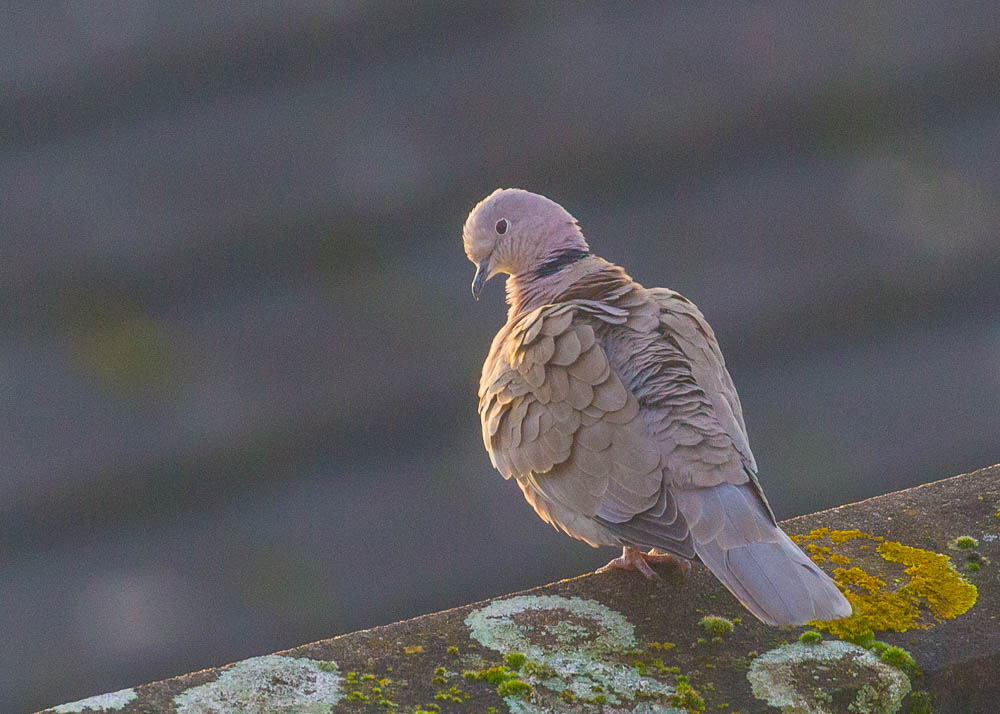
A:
(631, 559)
(634, 559)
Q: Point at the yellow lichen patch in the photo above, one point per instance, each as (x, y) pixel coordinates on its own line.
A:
(840, 537)
(818, 553)
(933, 591)
(875, 606)
(932, 578)
(413, 649)
(816, 534)
(859, 578)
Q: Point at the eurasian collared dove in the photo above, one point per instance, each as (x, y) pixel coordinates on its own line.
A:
(610, 405)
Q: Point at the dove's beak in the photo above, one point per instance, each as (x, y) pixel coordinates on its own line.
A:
(482, 275)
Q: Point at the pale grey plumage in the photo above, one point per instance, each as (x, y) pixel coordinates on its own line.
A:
(611, 406)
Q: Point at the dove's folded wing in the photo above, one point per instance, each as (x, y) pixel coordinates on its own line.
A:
(692, 406)
(556, 416)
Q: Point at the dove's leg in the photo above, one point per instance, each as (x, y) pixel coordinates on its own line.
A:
(634, 559)
(630, 559)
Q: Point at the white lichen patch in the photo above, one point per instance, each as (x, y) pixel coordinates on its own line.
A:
(101, 703)
(577, 639)
(605, 630)
(265, 685)
(806, 679)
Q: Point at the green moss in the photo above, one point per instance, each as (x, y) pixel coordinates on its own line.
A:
(328, 666)
(368, 688)
(919, 703)
(452, 694)
(686, 697)
(660, 645)
(866, 640)
(493, 675)
(438, 680)
(515, 660)
(716, 626)
(534, 669)
(453, 651)
(900, 659)
(505, 679)
(810, 637)
(973, 566)
(966, 542)
(515, 688)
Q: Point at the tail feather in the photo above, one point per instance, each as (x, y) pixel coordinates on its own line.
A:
(757, 562)
(775, 581)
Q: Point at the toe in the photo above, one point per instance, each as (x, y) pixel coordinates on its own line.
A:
(643, 567)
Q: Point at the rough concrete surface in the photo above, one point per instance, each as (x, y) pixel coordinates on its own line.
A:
(920, 567)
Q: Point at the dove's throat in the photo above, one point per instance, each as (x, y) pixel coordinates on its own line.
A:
(581, 275)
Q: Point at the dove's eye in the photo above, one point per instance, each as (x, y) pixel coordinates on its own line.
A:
(501, 226)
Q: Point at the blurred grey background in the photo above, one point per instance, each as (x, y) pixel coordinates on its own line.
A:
(239, 355)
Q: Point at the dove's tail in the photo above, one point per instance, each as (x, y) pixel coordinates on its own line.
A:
(735, 537)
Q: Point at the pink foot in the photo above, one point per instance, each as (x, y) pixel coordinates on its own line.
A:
(634, 559)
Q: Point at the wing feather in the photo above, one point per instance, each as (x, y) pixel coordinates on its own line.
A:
(558, 418)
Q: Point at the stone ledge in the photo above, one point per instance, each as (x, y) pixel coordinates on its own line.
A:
(614, 642)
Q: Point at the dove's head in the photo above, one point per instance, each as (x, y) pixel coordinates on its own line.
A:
(515, 232)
